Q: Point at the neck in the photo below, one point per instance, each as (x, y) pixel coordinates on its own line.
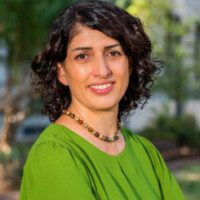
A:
(105, 122)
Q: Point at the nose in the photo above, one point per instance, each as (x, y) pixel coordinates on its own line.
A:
(101, 68)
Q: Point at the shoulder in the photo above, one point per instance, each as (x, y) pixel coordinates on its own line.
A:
(52, 134)
(140, 140)
(143, 147)
(52, 166)
(51, 146)
(146, 151)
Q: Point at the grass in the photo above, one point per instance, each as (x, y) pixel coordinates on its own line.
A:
(188, 178)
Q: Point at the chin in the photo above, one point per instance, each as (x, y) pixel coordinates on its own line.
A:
(103, 104)
(106, 106)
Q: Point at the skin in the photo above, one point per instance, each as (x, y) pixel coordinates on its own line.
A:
(92, 59)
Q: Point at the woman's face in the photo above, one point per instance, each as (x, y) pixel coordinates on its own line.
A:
(95, 69)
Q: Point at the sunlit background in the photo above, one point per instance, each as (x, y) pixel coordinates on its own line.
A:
(171, 118)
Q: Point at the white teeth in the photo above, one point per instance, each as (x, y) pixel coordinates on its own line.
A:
(101, 87)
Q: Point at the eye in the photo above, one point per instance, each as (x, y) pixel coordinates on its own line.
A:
(114, 53)
(81, 56)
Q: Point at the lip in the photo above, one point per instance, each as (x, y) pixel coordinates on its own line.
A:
(102, 91)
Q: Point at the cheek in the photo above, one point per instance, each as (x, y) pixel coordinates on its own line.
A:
(77, 76)
(83, 71)
(124, 73)
(123, 69)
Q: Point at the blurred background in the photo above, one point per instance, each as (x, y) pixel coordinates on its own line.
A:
(171, 119)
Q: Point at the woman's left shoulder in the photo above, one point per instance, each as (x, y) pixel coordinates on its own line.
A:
(146, 150)
(134, 137)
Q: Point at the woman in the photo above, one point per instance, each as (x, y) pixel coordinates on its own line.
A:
(95, 68)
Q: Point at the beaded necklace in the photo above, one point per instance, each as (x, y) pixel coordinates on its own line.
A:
(91, 130)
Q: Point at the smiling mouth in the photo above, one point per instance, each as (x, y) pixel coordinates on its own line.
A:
(102, 88)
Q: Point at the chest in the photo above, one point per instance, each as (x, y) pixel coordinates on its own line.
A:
(124, 178)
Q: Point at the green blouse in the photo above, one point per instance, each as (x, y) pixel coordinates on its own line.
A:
(62, 165)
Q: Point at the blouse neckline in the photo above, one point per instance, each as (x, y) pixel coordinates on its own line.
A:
(80, 140)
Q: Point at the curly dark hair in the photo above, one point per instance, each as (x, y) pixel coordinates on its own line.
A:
(113, 22)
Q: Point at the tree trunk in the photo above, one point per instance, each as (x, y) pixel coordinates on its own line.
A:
(5, 135)
(11, 112)
(178, 108)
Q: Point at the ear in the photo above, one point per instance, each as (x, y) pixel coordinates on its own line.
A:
(61, 74)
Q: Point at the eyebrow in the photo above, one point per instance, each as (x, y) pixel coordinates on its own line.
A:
(90, 48)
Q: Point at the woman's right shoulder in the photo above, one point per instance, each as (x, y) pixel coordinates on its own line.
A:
(52, 143)
(54, 133)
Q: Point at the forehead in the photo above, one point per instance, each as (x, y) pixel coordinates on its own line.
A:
(85, 36)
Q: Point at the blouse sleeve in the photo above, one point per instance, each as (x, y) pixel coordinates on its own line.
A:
(167, 183)
(52, 172)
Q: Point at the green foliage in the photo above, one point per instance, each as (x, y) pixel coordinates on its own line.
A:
(24, 25)
(122, 3)
(153, 15)
(167, 31)
(183, 130)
